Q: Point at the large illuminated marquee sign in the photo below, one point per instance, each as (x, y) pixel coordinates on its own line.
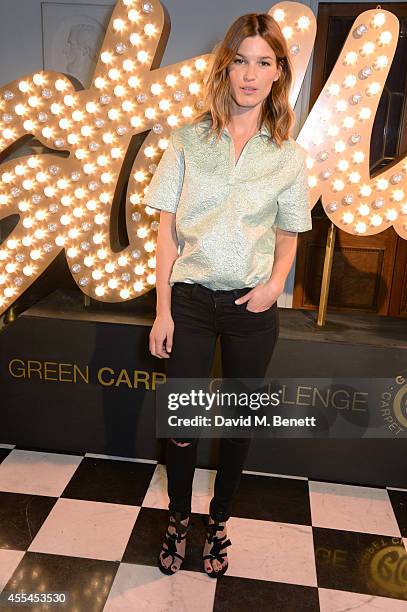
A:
(67, 202)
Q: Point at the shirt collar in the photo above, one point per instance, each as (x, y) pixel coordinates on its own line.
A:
(264, 131)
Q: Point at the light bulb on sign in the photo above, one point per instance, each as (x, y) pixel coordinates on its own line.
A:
(363, 52)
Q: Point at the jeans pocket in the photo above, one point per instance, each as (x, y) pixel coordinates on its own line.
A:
(179, 290)
(262, 312)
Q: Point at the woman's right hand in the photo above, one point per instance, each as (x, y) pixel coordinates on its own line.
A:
(161, 336)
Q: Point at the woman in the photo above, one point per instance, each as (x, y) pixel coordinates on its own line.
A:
(232, 188)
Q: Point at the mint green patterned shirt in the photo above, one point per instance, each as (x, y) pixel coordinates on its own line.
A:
(227, 214)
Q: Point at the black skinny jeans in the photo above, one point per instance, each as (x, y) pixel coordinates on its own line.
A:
(247, 343)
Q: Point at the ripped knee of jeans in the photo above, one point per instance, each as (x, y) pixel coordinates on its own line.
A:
(180, 443)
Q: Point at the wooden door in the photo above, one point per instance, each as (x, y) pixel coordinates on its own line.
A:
(368, 272)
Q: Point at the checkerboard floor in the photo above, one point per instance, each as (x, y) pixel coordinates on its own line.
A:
(92, 527)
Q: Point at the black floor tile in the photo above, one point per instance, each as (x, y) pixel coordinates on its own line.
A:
(284, 500)
(399, 502)
(86, 582)
(360, 562)
(110, 481)
(148, 535)
(42, 449)
(21, 517)
(243, 594)
(4, 452)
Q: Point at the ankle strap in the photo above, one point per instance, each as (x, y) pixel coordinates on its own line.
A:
(180, 528)
(212, 529)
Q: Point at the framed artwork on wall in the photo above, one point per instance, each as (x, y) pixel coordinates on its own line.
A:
(72, 35)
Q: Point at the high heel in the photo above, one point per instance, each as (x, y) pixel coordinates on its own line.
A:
(218, 544)
(180, 533)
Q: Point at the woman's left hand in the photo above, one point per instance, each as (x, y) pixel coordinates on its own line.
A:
(261, 297)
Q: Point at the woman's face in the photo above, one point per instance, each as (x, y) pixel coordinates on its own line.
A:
(252, 72)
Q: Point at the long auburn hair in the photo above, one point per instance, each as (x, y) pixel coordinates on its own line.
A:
(276, 112)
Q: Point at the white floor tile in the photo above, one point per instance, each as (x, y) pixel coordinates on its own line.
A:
(269, 550)
(37, 473)
(9, 559)
(88, 529)
(352, 508)
(342, 601)
(275, 475)
(156, 495)
(138, 587)
(120, 458)
(202, 490)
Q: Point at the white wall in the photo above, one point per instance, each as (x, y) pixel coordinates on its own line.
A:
(195, 27)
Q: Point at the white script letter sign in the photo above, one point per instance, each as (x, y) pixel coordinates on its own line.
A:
(67, 202)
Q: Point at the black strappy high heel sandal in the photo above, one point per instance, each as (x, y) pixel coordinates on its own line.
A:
(218, 544)
(170, 539)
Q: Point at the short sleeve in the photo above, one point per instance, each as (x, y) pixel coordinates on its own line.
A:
(166, 184)
(294, 214)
